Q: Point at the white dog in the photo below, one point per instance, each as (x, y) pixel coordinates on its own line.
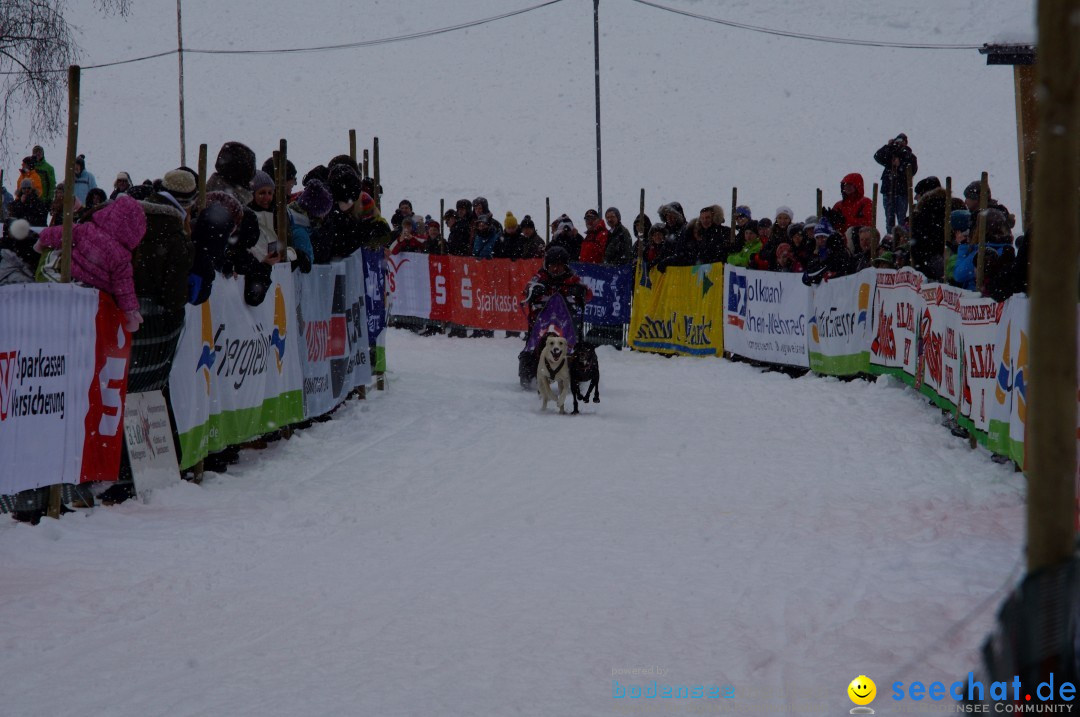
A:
(553, 367)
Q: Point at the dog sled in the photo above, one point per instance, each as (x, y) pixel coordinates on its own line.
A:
(558, 319)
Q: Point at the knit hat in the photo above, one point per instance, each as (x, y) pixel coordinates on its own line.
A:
(823, 229)
(344, 183)
(591, 214)
(960, 219)
(971, 191)
(26, 184)
(483, 219)
(261, 180)
(794, 229)
(235, 163)
(527, 222)
(927, 185)
(319, 172)
(432, 223)
(315, 200)
(510, 224)
(290, 168)
(230, 203)
(123, 177)
(19, 229)
(785, 210)
(180, 184)
(616, 212)
(481, 202)
(30, 161)
(743, 211)
(885, 259)
(367, 205)
(449, 214)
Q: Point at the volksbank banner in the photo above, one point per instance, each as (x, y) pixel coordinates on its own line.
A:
(611, 287)
(839, 339)
(374, 283)
(766, 316)
(236, 374)
(678, 311)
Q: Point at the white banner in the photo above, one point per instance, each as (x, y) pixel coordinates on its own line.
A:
(839, 324)
(63, 375)
(236, 374)
(898, 307)
(409, 285)
(150, 443)
(979, 320)
(765, 316)
(333, 322)
(941, 341)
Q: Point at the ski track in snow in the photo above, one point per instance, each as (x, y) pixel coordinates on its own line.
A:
(444, 548)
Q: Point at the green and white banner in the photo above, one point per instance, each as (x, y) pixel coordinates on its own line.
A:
(237, 374)
(839, 326)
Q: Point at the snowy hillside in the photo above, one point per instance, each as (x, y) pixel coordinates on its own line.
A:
(690, 108)
(445, 549)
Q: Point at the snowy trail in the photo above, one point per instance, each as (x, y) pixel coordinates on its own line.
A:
(446, 549)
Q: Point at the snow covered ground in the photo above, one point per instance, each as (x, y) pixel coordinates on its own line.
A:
(689, 108)
(446, 549)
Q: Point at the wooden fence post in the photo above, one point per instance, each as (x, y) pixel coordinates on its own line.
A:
(56, 490)
(352, 145)
(980, 265)
(202, 178)
(948, 229)
(378, 179)
(875, 204)
(547, 223)
(819, 203)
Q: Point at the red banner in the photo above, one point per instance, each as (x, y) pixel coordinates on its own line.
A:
(104, 420)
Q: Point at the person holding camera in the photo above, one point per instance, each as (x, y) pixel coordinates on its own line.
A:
(896, 156)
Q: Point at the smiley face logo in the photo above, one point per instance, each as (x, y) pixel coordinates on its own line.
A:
(862, 690)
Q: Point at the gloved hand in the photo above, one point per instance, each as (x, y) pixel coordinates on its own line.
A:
(132, 320)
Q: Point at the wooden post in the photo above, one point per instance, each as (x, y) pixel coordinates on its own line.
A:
(442, 211)
(1026, 135)
(283, 207)
(875, 244)
(366, 165)
(734, 203)
(819, 204)
(375, 169)
(55, 490)
(202, 178)
(1051, 422)
(547, 223)
(352, 145)
(948, 227)
(875, 204)
(910, 200)
(641, 213)
(980, 264)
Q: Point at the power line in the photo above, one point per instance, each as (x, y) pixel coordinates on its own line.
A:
(379, 41)
(814, 38)
(321, 48)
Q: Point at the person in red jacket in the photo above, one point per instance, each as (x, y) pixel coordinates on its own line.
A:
(596, 239)
(856, 209)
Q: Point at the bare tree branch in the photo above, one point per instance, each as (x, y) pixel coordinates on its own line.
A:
(35, 40)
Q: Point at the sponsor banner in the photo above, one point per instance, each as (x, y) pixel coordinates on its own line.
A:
(839, 325)
(237, 367)
(486, 293)
(979, 319)
(678, 311)
(408, 279)
(148, 433)
(611, 287)
(766, 316)
(357, 323)
(940, 342)
(63, 375)
(375, 299)
(897, 308)
(322, 318)
(1007, 419)
(440, 281)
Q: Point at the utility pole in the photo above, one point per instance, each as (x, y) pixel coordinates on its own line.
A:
(180, 58)
(596, 52)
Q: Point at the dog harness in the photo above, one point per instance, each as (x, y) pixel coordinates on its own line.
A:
(552, 370)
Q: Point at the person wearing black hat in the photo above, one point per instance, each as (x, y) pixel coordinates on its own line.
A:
(460, 239)
(233, 172)
(971, 201)
(896, 157)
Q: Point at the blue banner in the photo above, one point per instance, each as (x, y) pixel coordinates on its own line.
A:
(374, 293)
(612, 287)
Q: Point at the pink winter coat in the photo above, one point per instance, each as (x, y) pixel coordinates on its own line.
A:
(101, 248)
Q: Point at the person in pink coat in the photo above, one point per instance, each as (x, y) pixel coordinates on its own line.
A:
(101, 252)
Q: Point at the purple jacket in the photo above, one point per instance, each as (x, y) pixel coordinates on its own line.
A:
(101, 248)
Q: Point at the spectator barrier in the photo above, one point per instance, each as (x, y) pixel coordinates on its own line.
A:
(965, 352)
(239, 371)
(487, 293)
(63, 370)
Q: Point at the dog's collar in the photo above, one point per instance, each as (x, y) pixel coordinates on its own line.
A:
(552, 370)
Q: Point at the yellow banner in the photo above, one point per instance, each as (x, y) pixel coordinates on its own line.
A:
(679, 311)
